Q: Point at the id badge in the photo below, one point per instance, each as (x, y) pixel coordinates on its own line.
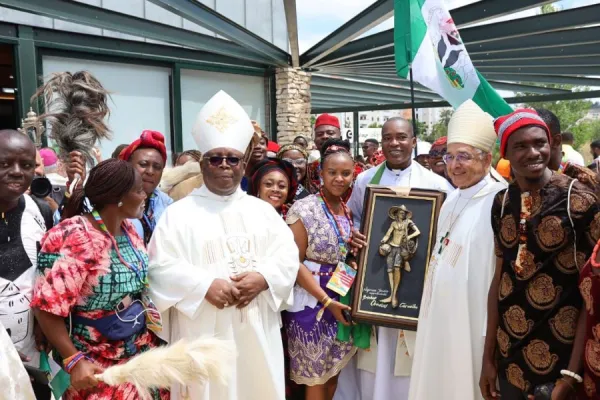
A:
(153, 317)
(342, 279)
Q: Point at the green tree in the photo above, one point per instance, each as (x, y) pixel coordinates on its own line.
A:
(440, 128)
(585, 132)
(422, 129)
(375, 125)
(549, 8)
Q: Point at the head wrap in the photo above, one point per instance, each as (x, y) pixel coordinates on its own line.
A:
(147, 140)
(327, 119)
(520, 118)
(288, 147)
(222, 122)
(269, 165)
(48, 156)
(423, 149)
(471, 125)
(503, 168)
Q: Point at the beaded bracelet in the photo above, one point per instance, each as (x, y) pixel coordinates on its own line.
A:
(566, 372)
(68, 359)
(69, 367)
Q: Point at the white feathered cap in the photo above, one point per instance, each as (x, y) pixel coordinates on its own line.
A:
(471, 125)
(222, 122)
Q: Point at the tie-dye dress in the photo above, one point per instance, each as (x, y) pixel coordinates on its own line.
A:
(80, 274)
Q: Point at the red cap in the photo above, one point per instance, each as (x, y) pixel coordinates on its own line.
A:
(148, 139)
(443, 141)
(520, 118)
(272, 146)
(327, 119)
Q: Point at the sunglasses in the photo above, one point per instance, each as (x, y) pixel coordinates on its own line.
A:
(216, 161)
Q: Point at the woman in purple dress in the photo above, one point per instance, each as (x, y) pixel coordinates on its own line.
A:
(321, 224)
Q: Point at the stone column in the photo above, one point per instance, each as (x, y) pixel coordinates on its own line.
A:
(293, 104)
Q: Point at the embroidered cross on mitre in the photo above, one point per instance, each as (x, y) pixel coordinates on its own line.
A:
(221, 120)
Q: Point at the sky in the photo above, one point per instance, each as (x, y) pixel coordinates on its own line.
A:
(318, 18)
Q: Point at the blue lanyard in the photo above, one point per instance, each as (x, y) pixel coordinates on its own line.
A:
(332, 221)
(150, 220)
(143, 263)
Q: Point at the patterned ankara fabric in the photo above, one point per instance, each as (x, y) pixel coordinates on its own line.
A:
(80, 273)
(539, 300)
(315, 353)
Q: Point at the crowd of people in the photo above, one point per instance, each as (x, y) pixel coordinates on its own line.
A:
(239, 238)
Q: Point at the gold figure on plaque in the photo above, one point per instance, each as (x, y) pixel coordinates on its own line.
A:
(399, 246)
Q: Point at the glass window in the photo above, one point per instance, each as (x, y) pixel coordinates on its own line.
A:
(139, 97)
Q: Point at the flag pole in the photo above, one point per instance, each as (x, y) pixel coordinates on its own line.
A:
(412, 103)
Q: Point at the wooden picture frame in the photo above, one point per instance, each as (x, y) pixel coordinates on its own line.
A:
(380, 267)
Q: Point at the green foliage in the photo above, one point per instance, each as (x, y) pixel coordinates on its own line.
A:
(422, 129)
(585, 132)
(440, 128)
(375, 125)
(313, 119)
(549, 8)
(569, 113)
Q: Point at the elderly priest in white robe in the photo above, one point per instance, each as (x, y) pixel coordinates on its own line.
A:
(384, 371)
(223, 263)
(452, 319)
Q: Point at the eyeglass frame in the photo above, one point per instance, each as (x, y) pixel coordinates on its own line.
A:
(479, 155)
(300, 161)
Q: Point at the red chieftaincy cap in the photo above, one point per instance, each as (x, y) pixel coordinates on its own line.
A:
(327, 119)
(148, 139)
(520, 118)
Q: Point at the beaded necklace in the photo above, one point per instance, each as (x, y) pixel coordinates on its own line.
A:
(339, 230)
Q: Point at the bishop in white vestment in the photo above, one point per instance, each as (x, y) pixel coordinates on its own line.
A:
(452, 319)
(223, 264)
(383, 372)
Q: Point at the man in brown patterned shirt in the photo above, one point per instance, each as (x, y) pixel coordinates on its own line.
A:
(545, 228)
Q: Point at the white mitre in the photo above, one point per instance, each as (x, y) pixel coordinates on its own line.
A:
(222, 122)
(471, 125)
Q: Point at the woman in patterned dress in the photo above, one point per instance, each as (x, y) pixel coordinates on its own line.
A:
(92, 269)
(322, 225)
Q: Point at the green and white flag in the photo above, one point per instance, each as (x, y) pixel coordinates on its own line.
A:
(426, 38)
(58, 378)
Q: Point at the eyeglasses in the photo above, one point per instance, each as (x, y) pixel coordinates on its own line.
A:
(460, 158)
(216, 161)
(299, 162)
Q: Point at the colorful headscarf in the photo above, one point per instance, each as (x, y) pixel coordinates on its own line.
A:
(289, 147)
(520, 118)
(273, 164)
(148, 139)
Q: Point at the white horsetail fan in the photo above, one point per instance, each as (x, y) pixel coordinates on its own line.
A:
(184, 362)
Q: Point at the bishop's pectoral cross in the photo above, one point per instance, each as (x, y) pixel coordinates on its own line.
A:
(444, 241)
